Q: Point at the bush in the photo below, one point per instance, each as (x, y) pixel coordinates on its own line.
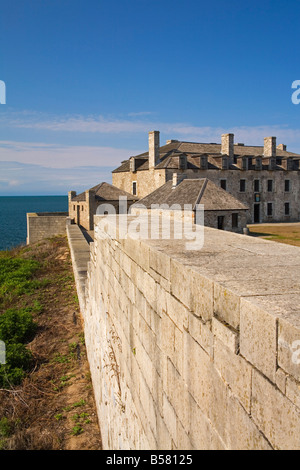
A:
(16, 276)
(5, 427)
(18, 361)
(17, 326)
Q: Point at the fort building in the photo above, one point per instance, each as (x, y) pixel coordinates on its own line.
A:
(264, 178)
(221, 210)
(83, 207)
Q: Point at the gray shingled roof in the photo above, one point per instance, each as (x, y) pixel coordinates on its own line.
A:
(106, 192)
(169, 152)
(193, 192)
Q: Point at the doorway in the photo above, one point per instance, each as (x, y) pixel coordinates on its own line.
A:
(78, 214)
(256, 213)
(221, 222)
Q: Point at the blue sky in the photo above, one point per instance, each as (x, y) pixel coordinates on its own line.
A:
(86, 81)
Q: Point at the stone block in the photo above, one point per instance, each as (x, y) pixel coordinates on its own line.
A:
(258, 337)
(177, 312)
(289, 346)
(235, 371)
(293, 391)
(202, 293)
(163, 436)
(274, 414)
(160, 263)
(201, 332)
(280, 380)
(181, 283)
(226, 306)
(202, 435)
(205, 384)
(178, 395)
(228, 336)
(241, 431)
(170, 418)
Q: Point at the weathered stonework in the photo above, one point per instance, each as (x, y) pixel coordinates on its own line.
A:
(192, 350)
(265, 178)
(41, 225)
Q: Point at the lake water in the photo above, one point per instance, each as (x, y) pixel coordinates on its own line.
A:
(13, 223)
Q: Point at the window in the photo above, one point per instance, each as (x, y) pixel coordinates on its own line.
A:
(73, 207)
(242, 186)
(287, 208)
(223, 184)
(270, 209)
(270, 186)
(256, 186)
(82, 208)
(235, 220)
(134, 188)
(287, 186)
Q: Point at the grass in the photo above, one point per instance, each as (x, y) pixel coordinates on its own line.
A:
(281, 233)
(41, 326)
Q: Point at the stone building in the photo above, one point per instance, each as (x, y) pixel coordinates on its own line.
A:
(264, 178)
(83, 207)
(183, 196)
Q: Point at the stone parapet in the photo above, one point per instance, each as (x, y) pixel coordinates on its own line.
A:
(42, 225)
(193, 349)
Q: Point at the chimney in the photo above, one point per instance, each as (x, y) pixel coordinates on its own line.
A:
(270, 147)
(282, 147)
(153, 148)
(71, 195)
(132, 164)
(227, 147)
(175, 180)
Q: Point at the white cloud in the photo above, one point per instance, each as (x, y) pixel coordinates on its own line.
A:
(99, 124)
(59, 156)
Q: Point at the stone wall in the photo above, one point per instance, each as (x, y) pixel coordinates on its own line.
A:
(148, 181)
(194, 349)
(41, 225)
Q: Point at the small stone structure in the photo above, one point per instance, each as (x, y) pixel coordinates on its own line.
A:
(83, 207)
(183, 197)
(41, 225)
(191, 349)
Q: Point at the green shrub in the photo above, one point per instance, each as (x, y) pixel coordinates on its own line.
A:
(17, 326)
(16, 276)
(18, 361)
(5, 427)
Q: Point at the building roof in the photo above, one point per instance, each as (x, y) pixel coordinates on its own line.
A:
(169, 156)
(106, 192)
(192, 192)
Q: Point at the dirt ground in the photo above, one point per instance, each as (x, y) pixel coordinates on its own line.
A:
(283, 233)
(54, 408)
